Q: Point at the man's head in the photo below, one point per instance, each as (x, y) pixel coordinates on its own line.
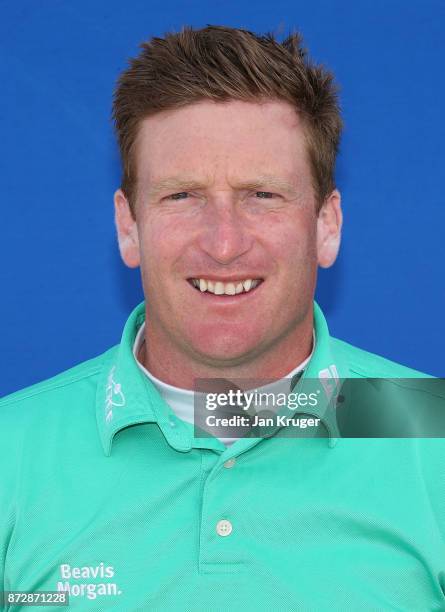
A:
(228, 142)
(220, 64)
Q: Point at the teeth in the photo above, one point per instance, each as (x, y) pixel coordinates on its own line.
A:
(220, 288)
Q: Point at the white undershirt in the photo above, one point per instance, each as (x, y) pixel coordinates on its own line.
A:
(181, 401)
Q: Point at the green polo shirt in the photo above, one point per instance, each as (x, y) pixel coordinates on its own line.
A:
(106, 493)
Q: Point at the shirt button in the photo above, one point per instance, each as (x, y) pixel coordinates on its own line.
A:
(172, 423)
(224, 527)
(230, 462)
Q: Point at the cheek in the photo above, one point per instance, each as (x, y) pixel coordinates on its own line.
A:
(163, 253)
(295, 251)
(292, 243)
(162, 242)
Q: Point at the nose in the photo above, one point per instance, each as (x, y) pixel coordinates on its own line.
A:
(224, 235)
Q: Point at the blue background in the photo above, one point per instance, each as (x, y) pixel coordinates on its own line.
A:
(66, 294)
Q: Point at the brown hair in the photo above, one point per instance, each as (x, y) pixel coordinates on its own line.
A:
(220, 63)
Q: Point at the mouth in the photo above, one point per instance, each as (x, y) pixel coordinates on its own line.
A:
(235, 288)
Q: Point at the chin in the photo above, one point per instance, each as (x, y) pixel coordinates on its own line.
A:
(230, 347)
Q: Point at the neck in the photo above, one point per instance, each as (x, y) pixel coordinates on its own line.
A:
(181, 367)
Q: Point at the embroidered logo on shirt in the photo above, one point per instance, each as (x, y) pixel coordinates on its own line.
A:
(113, 395)
(329, 378)
(77, 581)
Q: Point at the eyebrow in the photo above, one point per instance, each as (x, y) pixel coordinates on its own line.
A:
(184, 182)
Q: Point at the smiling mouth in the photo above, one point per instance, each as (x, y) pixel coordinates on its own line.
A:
(221, 288)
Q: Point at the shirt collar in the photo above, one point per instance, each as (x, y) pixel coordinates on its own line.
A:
(328, 368)
(126, 396)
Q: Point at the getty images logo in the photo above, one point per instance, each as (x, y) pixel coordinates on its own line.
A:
(113, 395)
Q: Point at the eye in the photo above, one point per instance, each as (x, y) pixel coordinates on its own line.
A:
(265, 195)
(174, 196)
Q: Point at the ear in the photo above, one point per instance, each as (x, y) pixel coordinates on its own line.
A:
(127, 231)
(329, 223)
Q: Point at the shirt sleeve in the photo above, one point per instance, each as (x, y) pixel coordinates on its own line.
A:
(10, 460)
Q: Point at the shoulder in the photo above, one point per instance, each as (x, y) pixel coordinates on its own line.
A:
(364, 364)
(41, 425)
(394, 401)
(41, 396)
(46, 418)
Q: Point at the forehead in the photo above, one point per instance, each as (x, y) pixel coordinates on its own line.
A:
(214, 139)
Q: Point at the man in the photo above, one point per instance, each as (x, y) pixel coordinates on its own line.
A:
(228, 205)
